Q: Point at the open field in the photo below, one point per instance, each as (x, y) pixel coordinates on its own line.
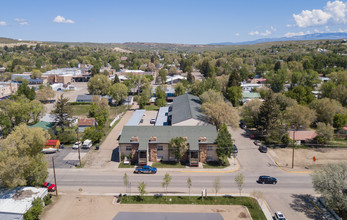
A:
(303, 158)
(104, 207)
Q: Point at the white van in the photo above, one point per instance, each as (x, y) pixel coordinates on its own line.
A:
(87, 144)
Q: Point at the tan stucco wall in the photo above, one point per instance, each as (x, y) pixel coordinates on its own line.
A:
(153, 157)
(122, 150)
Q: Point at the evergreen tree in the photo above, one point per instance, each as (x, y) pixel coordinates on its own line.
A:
(268, 115)
(190, 78)
(224, 142)
(24, 89)
(62, 113)
(116, 79)
(234, 78)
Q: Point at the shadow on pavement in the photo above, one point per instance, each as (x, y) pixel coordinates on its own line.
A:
(302, 203)
(115, 155)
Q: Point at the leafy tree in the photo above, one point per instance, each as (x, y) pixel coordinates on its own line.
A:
(36, 209)
(142, 189)
(224, 142)
(189, 185)
(118, 91)
(96, 69)
(166, 181)
(63, 113)
(116, 79)
(45, 93)
(211, 96)
(207, 69)
(94, 134)
(234, 78)
(330, 182)
(67, 137)
(300, 115)
(179, 89)
(216, 185)
(100, 114)
(326, 109)
(234, 95)
(283, 101)
(277, 80)
(143, 101)
(161, 97)
(200, 87)
(163, 75)
(221, 113)
(303, 95)
(172, 70)
(340, 120)
(269, 114)
(250, 111)
(325, 131)
(178, 147)
(240, 181)
(36, 74)
(21, 160)
(25, 90)
(99, 85)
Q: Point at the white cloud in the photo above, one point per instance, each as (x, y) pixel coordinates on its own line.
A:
(21, 21)
(237, 34)
(61, 19)
(3, 23)
(292, 34)
(266, 33)
(273, 29)
(333, 11)
(291, 25)
(253, 33)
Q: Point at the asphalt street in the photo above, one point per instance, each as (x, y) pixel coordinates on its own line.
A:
(291, 195)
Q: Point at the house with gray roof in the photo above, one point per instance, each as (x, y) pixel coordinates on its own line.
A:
(186, 111)
(145, 144)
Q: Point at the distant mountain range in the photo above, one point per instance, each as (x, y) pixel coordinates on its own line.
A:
(318, 36)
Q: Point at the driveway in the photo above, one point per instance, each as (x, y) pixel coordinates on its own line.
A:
(65, 158)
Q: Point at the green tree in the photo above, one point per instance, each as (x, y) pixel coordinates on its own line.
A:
(234, 95)
(25, 90)
(330, 182)
(207, 69)
(99, 85)
(96, 69)
(190, 78)
(161, 97)
(240, 181)
(221, 113)
(269, 114)
(45, 93)
(234, 78)
(126, 182)
(63, 113)
(116, 79)
(224, 142)
(340, 120)
(211, 96)
(326, 109)
(143, 101)
(100, 114)
(179, 89)
(142, 189)
(94, 134)
(303, 95)
(178, 147)
(163, 75)
(250, 111)
(277, 80)
(325, 131)
(166, 181)
(118, 91)
(300, 115)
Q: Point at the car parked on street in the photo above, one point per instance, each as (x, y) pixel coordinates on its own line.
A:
(49, 186)
(279, 216)
(77, 145)
(235, 149)
(257, 142)
(146, 170)
(263, 149)
(267, 179)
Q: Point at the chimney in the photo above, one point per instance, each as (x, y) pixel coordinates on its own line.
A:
(153, 139)
(203, 139)
(134, 139)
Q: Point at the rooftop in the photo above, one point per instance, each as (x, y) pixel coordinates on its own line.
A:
(302, 135)
(86, 122)
(136, 117)
(52, 142)
(162, 117)
(186, 107)
(165, 133)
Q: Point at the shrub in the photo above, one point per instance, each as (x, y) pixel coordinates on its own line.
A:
(67, 137)
(34, 212)
(47, 199)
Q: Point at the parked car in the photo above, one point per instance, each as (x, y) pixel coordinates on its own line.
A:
(77, 145)
(152, 121)
(263, 148)
(235, 149)
(243, 125)
(49, 186)
(87, 144)
(279, 216)
(257, 142)
(267, 179)
(146, 169)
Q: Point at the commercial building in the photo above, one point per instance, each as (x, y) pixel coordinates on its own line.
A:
(7, 89)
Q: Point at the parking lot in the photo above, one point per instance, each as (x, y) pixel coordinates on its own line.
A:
(65, 158)
(147, 118)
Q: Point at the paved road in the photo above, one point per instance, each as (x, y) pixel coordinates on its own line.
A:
(291, 194)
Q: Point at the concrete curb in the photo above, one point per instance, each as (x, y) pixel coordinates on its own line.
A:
(291, 171)
(213, 171)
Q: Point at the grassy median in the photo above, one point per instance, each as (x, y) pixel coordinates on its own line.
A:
(248, 202)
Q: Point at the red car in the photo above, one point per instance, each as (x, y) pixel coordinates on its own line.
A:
(49, 186)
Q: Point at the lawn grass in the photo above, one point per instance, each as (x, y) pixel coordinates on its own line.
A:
(151, 108)
(216, 165)
(80, 110)
(248, 202)
(122, 165)
(168, 165)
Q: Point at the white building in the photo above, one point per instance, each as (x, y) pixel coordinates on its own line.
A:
(249, 86)
(7, 89)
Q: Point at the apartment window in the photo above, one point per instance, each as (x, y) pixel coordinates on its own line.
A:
(128, 148)
(209, 148)
(159, 148)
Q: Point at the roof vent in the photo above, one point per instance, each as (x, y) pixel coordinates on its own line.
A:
(134, 139)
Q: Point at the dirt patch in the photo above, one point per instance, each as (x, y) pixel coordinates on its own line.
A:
(104, 207)
(303, 158)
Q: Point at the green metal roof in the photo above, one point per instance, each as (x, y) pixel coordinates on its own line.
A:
(165, 133)
(42, 124)
(250, 95)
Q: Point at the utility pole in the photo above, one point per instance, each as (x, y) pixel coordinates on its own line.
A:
(79, 146)
(293, 148)
(55, 179)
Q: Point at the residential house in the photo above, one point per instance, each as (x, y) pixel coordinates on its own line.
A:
(2, 69)
(186, 111)
(89, 98)
(249, 86)
(174, 79)
(84, 123)
(249, 96)
(302, 136)
(145, 144)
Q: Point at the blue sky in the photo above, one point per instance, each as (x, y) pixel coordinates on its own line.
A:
(178, 21)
